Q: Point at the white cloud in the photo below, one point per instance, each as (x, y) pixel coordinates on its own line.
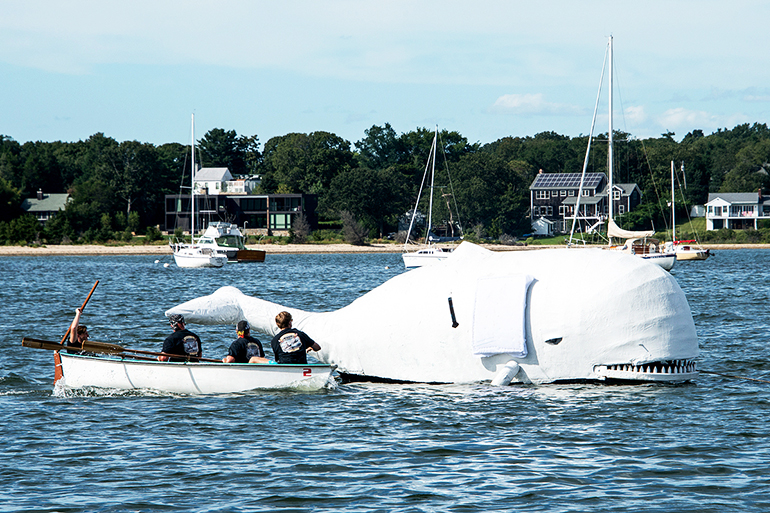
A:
(635, 115)
(532, 104)
(681, 117)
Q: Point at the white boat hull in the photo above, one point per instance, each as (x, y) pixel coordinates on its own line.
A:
(425, 257)
(665, 260)
(195, 257)
(188, 378)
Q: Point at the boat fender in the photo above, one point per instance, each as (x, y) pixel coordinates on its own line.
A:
(506, 374)
(452, 313)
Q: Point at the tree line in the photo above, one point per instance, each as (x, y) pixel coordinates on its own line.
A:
(118, 188)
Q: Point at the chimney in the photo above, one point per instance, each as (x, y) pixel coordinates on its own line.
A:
(40, 194)
(759, 191)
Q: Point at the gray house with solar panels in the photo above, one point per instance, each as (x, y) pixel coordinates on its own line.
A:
(553, 197)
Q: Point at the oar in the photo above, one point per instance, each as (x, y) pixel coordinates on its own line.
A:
(81, 311)
(104, 347)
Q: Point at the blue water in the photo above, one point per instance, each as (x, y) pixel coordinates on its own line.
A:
(371, 447)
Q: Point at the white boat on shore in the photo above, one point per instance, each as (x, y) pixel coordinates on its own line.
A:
(425, 256)
(194, 378)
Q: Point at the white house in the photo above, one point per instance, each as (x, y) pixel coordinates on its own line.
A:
(219, 180)
(736, 210)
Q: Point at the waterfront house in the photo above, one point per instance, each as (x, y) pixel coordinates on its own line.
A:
(736, 210)
(45, 206)
(553, 197)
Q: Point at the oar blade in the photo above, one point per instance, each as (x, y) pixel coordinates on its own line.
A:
(41, 344)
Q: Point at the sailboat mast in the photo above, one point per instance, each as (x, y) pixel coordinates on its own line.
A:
(673, 214)
(432, 180)
(192, 183)
(609, 152)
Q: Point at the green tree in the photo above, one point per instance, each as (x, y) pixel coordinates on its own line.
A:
(224, 148)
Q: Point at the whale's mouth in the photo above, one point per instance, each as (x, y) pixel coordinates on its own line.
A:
(670, 371)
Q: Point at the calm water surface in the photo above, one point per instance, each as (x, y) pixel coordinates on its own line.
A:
(371, 447)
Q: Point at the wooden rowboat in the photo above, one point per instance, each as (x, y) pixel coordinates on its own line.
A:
(113, 368)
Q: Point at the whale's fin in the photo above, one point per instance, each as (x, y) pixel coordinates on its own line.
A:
(228, 305)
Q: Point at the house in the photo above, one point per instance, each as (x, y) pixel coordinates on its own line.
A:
(736, 210)
(270, 214)
(219, 180)
(553, 197)
(45, 206)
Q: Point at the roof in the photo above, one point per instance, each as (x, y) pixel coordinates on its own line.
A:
(566, 181)
(627, 188)
(737, 197)
(213, 174)
(585, 200)
(50, 203)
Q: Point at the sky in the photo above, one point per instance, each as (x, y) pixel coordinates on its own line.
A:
(137, 70)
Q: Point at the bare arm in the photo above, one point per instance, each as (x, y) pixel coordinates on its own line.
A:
(74, 327)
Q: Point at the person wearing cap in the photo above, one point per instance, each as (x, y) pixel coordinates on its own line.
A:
(291, 345)
(78, 332)
(245, 349)
(182, 342)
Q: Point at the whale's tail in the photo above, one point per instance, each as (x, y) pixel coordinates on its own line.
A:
(228, 305)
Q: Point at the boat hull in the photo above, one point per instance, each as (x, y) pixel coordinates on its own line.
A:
(250, 255)
(692, 254)
(198, 257)
(664, 260)
(80, 371)
(425, 257)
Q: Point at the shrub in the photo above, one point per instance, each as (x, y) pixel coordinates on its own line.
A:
(152, 234)
(352, 230)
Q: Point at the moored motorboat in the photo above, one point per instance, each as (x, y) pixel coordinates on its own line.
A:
(426, 256)
(227, 238)
(686, 251)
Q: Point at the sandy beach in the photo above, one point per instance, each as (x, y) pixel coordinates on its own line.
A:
(164, 249)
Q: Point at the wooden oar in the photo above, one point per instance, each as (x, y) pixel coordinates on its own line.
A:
(103, 347)
(81, 311)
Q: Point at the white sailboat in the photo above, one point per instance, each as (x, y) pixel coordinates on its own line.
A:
(195, 255)
(684, 249)
(431, 254)
(639, 243)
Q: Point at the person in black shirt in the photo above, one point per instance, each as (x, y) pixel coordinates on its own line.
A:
(182, 342)
(291, 345)
(245, 349)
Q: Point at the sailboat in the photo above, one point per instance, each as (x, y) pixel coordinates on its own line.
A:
(684, 249)
(638, 243)
(431, 254)
(195, 255)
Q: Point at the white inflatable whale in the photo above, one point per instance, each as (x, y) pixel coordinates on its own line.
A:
(526, 316)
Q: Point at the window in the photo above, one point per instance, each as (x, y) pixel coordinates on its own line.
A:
(563, 193)
(616, 195)
(586, 192)
(571, 192)
(535, 211)
(621, 209)
(549, 211)
(280, 221)
(542, 195)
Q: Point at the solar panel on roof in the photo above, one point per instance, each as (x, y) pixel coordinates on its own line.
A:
(556, 180)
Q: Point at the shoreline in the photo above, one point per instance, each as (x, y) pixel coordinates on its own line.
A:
(277, 249)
